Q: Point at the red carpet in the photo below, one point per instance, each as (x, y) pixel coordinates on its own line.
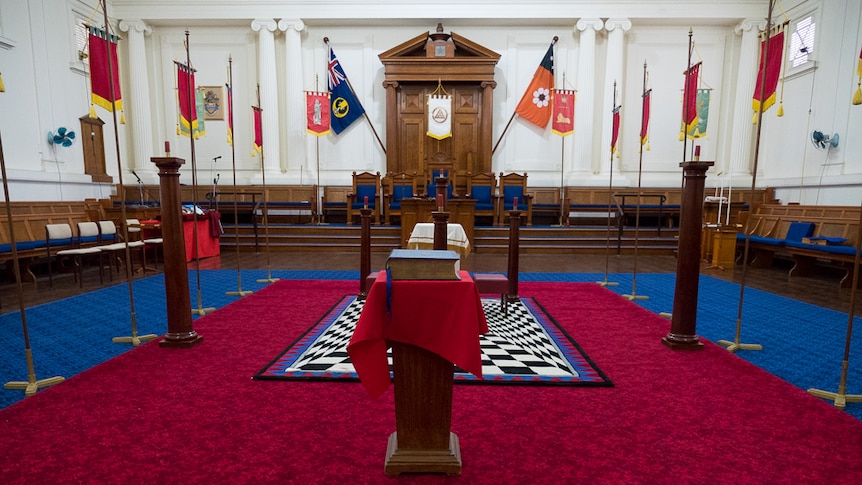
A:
(187, 416)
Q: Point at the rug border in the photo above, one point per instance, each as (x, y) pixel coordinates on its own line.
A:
(511, 381)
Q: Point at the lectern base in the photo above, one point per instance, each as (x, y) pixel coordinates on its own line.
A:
(424, 460)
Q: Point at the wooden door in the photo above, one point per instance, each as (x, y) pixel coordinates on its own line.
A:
(93, 145)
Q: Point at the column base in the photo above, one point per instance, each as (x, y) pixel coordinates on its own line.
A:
(682, 342)
(183, 340)
(422, 460)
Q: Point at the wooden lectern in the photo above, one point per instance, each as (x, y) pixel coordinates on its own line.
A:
(426, 339)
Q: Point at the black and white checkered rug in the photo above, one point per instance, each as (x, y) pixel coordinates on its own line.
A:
(524, 347)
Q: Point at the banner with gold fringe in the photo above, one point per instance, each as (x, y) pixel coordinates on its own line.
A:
(771, 56)
(317, 112)
(439, 116)
(563, 118)
(103, 77)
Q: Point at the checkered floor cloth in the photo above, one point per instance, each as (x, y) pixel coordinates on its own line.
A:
(526, 346)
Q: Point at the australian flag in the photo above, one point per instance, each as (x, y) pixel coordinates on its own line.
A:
(345, 108)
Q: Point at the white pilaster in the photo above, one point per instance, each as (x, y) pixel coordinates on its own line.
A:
(138, 100)
(295, 102)
(585, 101)
(613, 73)
(743, 129)
(268, 80)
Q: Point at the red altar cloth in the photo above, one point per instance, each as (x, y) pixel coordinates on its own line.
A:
(444, 317)
(208, 243)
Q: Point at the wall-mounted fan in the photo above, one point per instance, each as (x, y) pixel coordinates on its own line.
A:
(62, 137)
(821, 141)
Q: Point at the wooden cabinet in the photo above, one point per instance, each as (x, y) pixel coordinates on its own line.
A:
(434, 63)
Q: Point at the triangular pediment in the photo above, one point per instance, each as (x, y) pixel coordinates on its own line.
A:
(439, 56)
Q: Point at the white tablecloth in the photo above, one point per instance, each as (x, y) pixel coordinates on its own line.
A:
(422, 237)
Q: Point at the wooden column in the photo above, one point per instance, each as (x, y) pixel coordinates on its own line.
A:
(180, 332)
(364, 252)
(514, 254)
(441, 230)
(683, 329)
(422, 441)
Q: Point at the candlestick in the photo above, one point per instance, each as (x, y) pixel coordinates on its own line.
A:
(167, 148)
(440, 202)
(696, 153)
(366, 202)
(515, 204)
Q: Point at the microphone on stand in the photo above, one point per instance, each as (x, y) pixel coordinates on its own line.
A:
(136, 176)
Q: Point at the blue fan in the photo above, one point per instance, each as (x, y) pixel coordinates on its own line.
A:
(63, 137)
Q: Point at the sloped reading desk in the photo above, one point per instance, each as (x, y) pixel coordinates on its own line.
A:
(433, 325)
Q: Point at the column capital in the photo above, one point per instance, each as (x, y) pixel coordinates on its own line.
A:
(584, 24)
(295, 24)
(623, 24)
(260, 24)
(749, 24)
(127, 25)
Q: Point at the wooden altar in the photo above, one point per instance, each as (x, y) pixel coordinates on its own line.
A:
(414, 210)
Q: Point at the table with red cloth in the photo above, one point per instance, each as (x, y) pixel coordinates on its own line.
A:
(209, 232)
(442, 316)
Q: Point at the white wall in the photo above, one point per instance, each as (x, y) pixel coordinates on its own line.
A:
(45, 91)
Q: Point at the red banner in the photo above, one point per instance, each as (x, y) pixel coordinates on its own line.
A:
(616, 133)
(563, 119)
(769, 72)
(258, 134)
(100, 77)
(188, 122)
(645, 117)
(317, 112)
(689, 102)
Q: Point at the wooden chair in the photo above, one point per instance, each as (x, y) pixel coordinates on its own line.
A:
(514, 185)
(398, 186)
(433, 171)
(482, 187)
(366, 189)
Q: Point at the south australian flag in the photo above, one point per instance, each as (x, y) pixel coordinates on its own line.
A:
(345, 107)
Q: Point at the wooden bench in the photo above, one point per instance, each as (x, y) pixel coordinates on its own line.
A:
(28, 224)
(812, 237)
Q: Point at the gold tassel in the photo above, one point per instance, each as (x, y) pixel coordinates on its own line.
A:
(2, 86)
(93, 114)
(857, 96)
(179, 133)
(647, 146)
(754, 118)
(122, 117)
(780, 112)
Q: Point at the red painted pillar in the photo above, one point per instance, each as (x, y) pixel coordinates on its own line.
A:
(180, 331)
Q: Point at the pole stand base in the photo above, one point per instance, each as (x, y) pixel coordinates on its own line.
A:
(135, 340)
(840, 399)
(238, 293)
(635, 297)
(607, 283)
(32, 386)
(734, 346)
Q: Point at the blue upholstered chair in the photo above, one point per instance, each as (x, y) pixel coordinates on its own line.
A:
(482, 187)
(366, 187)
(398, 186)
(514, 185)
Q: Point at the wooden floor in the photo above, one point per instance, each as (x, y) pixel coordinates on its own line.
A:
(822, 291)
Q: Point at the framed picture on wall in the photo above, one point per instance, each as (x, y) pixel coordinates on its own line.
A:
(213, 97)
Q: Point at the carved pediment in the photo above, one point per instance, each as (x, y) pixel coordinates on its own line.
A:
(439, 56)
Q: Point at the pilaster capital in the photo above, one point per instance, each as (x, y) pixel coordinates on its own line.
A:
(259, 24)
(295, 24)
(584, 24)
(623, 24)
(749, 24)
(138, 25)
